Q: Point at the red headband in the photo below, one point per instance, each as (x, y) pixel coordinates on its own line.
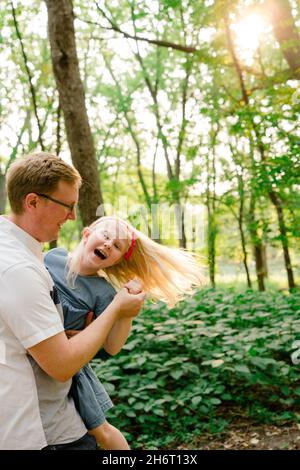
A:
(130, 250)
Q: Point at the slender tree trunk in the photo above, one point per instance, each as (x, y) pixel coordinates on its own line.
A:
(284, 240)
(257, 246)
(274, 197)
(211, 246)
(58, 130)
(72, 101)
(258, 254)
(242, 233)
(29, 76)
(179, 217)
(240, 217)
(211, 209)
(173, 173)
(2, 193)
(286, 32)
(265, 260)
(245, 254)
(155, 206)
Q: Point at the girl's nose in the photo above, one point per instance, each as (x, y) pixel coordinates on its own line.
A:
(108, 243)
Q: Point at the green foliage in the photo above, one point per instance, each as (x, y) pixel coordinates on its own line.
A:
(183, 369)
(227, 145)
(171, 3)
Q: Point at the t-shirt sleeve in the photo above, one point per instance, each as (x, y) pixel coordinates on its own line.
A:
(55, 261)
(29, 310)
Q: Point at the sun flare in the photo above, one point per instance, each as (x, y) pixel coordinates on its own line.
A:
(248, 32)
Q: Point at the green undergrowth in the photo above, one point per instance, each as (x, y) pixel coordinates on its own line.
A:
(183, 369)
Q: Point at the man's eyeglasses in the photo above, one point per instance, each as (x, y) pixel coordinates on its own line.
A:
(71, 207)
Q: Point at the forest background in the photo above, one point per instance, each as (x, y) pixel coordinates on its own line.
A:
(184, 117)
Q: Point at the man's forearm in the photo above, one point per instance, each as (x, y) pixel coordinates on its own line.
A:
(87, 343)
(61, 357)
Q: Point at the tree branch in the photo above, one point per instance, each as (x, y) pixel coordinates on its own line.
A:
(31, 87)
(114, 27)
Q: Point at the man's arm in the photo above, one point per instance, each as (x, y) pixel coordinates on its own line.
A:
(61, 358)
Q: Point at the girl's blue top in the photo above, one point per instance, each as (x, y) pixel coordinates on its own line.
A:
(90, 293)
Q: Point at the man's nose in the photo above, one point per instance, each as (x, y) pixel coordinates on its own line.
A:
(72, 215)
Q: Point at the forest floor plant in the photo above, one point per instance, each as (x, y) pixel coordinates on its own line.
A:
(184, 370)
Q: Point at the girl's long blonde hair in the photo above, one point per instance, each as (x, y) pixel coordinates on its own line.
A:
(167, 274)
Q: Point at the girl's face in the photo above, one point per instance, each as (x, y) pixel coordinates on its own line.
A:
(104, 245)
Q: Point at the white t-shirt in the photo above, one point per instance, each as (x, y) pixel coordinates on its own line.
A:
(27, 317)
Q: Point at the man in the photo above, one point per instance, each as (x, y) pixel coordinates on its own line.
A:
(43, 194)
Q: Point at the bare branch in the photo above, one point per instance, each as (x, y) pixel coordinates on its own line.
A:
(31, 87)
(114, 27)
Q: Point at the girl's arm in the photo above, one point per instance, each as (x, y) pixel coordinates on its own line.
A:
(117, 336)
(115, 339)
(119, 333)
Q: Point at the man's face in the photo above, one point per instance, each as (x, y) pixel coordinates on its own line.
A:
(52, 215)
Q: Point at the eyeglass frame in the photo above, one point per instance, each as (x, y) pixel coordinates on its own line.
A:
(71, 207)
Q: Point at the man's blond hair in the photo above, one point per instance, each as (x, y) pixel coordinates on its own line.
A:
(38, 172)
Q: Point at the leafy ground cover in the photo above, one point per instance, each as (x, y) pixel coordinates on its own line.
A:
(183, 370)
(245, 435)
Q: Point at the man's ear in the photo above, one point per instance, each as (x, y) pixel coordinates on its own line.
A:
(30, 201)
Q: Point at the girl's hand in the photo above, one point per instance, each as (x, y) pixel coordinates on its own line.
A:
(129, 305)
(134, 286)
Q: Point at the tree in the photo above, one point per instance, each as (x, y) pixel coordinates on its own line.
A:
(72, 102)
(272, 193)
(286, 32)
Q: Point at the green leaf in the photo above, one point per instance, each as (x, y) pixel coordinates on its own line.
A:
(196, 400)
(242, 368)
(176, 374)
(172, 3)
(215, 401)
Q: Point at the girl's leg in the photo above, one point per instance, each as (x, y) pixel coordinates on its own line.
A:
(109, 437)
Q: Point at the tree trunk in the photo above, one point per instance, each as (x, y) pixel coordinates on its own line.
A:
(72, 101)
(179, 217)
(286, 33)
(211, 246)
(265, 260)
(245, 254)
(258, 254)
(274, 197)
(257, 246)
(212, 230)
(2, 194)
(284, 240)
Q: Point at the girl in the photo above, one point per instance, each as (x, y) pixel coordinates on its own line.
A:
(112, 252)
